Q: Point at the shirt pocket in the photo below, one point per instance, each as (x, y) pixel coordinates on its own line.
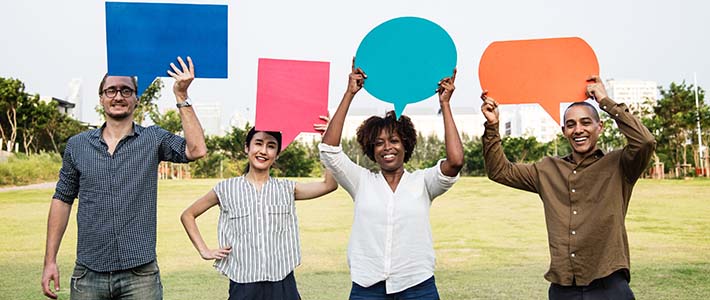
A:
(279, 217)
(238, 219)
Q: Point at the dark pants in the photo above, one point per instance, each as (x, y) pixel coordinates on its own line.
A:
(423, 291)
(139, 283)
(265, 290)
(612, 287)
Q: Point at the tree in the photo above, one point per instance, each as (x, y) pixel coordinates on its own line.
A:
(12, 94)
(169, 121)
(674, 123)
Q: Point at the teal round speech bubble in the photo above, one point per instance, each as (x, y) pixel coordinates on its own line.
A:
(404, 59)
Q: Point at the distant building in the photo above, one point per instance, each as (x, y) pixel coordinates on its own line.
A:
(527, 120)
(63, 106)
(210, 116)
(634, 93)
(469, 120)
(74, 96)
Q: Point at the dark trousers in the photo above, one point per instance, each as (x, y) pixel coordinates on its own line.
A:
(612, 287)
(423, 291)
(265, 290)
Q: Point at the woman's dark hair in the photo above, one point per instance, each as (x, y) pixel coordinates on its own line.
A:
(250, 136)
(370, 129)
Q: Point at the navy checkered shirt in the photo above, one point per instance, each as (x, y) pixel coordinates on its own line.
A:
(116, 218)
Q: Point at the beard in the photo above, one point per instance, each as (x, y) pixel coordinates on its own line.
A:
(117, 116)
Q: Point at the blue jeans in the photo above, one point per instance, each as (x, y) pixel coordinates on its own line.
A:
(139, 283)
(423, 291)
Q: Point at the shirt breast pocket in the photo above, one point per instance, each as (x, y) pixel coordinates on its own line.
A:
(239, 220)
(279, 217)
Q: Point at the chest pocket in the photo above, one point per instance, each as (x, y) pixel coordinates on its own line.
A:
(239, 220)
(280, 217)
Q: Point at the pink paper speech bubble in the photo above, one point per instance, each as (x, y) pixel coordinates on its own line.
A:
(291, 96)
(543, 71)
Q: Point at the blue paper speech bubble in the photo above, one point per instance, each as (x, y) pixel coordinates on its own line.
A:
(142, 39)
(404, 59)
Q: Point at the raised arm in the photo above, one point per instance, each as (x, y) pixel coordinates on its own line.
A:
(641, 143)
(498, 167)
(194, 135)
(356, 80)
(188, 221)
(454, 149)
(57, 220)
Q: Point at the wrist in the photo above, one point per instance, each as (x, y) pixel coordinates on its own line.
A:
(181, 96)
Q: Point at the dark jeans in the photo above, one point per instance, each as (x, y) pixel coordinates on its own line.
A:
(612, 287)
(423, 291)
(265, 290)
(139, 283)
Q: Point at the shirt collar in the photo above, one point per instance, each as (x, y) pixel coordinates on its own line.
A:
(137, 130)
(597, 154)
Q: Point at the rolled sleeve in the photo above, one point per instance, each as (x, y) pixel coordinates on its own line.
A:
(172, 147)
(67, 187)
(346, 172)
(437, 182)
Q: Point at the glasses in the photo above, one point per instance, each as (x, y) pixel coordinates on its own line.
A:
(112, 92)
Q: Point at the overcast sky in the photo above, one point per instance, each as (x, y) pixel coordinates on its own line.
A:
(47, 43)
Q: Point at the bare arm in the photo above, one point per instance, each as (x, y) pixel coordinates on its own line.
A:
(57, 220)
(454, 149)
(335, 129)
(194, 135)
(188, 219)
(305, 191)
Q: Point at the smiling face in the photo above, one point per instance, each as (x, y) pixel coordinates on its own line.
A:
(389, 151)
(262, 151)
(582, 130)
(118, 107)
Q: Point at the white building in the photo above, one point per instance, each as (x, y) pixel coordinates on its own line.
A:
(634, 93)
(210, 116)
(427, 121)
(528, 120)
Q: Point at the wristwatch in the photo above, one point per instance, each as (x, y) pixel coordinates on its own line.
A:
(186, 103)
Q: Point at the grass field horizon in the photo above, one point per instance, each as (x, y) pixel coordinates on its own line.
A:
(490, 242)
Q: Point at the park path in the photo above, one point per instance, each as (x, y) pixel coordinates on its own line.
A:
(46, 185)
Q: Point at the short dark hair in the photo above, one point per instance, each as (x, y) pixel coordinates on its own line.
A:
(370, 129)
(595, 113)
(103, 81)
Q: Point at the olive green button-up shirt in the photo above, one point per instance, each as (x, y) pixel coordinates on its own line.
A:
(585, 202)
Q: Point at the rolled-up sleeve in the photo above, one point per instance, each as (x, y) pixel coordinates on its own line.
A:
(437, 182)
(172, 147)
(67, 187)
(346, 172)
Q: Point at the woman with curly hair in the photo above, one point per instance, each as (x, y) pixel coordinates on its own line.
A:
(391, 252)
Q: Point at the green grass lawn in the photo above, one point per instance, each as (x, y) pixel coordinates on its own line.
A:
(490, 243)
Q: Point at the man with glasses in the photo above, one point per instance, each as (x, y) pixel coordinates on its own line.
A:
(114, 171)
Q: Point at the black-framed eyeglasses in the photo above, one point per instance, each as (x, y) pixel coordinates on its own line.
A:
(112, 92)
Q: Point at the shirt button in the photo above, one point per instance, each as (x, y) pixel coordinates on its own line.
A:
(574, 212)
(573, 190)
(574, 232)
(575, 171)
(572, 255)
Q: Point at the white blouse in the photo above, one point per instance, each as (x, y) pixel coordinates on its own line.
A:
(391, 235)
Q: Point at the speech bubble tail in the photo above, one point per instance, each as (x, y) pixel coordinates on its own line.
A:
(552, 109)
(287, 137)
(398, 109)
(144, 81)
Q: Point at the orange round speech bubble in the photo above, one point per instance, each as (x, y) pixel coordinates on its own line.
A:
(543, 71)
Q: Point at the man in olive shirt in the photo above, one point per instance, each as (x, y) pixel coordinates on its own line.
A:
(585, 195)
